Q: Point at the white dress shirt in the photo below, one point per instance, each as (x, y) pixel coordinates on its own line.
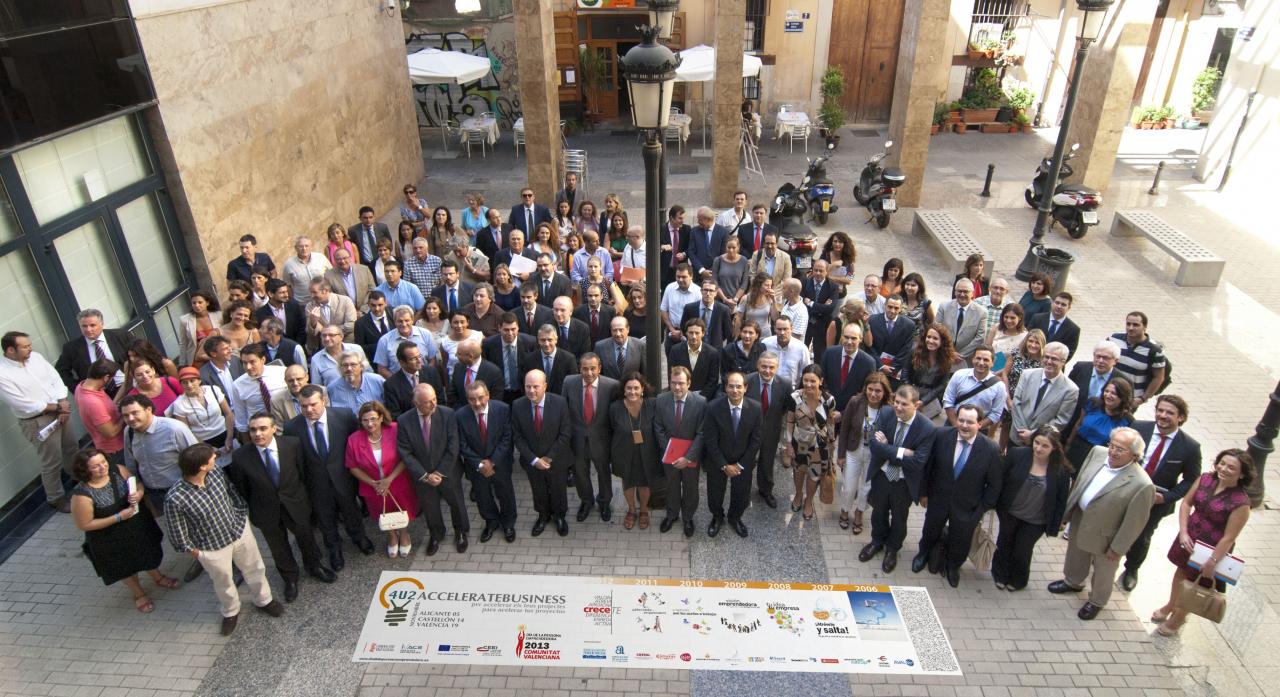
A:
(29, 388)
(106, 352)
(791, 360)
(1096, 485)
(248, 397)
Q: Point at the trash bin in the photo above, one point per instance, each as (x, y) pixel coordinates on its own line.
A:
(1056, 263)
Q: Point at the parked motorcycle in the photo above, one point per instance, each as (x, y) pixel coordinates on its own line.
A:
(817, 188)
(787, 215)
(877, 185)
(1075, 207)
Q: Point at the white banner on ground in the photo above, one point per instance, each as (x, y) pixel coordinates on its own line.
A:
(495, 619)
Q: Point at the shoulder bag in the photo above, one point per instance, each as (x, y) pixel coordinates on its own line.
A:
(1198, 600)
(393, 520)
(983, 547)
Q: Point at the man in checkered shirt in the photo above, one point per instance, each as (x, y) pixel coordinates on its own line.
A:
(207, 519)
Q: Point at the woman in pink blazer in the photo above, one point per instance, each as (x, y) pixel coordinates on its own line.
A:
(372, 459)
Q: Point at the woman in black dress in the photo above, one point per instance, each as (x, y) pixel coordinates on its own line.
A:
(120, 536)
(1032, 502)
(740, 356)
(930, 368)
(636, 313)
(633, 448)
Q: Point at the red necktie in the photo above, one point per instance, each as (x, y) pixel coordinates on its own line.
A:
(588, 404)
(595, 322)
(764, 397)
(1154, 462)
(484, 430)
(537, 418)
(265, 393)
(757, 244)
(471, 375)
(844, 371)
(530, 321)
(426, 430)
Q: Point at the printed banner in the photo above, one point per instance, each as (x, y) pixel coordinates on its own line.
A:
(495, 619)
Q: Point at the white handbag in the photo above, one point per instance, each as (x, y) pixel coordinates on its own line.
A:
(393, 520)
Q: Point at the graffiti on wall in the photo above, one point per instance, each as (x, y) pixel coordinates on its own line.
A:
(496, 92)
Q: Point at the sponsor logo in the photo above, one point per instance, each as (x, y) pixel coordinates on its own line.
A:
(777, 659)
(755, 659)
(374, 647)
(619, 649)
(906, 662)
(489, 650)
(858, 661)
(520, 641)
(591, 610)
(883, 662)
(453, 650)
(395, 596)
(830, 660)
(594, 654)
(413, 648)
(686, 657)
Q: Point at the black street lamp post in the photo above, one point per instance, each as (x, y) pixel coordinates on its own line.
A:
(650, 70)
(1261, 444)
(1094, 13)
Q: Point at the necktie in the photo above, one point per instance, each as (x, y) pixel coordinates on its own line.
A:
(546, 364)
(764, 398)
(453, 299)
(901, 435)
(546, 288)
(273, 468)
(679, 411)
(382, 324)
(888, 327)
(426, 430)
(844, 371)
(706, 316)
(564, 334)
(484, 429)
(367, 243)
(264, 393)
(528, 220)
(1040, 395)
(413, 381)
(737, 417)
(537, 418)
(595, 322)
(509, 362)
(322, 445)
(101, 355)
(960, 461)
(588, 404)
(1053, 328)
(959, 319)
(497, 238)
(324, 311)
(471, 375)
(892, 470)
(757, 244)
(622, 358)
(1154, 462)
(529, 321)
(675, 246)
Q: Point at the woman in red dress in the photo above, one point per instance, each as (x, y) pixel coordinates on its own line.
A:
(372, 459)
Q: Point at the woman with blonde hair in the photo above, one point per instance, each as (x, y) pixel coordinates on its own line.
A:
(338, 240)
(587, 218)
(546, 240)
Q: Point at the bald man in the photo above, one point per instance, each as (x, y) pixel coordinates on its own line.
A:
(427, 441)
(543, 437)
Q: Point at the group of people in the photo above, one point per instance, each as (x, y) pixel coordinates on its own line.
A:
(390, 372)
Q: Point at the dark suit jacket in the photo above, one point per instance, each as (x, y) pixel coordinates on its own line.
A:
(1081, 374)
(734, 358)
(207, 376)
(780, 388)
(542, 315)
(825, 297)
(496, 448)
(397, 393)
(701, 254)
(504, 255)
(691, 423)
(563, 365)
(341, 423)
(541, 214)
(465, 294)
(1179, 467)
(248, 473)
(861, 366)
(560, 285)
(367, 334)
(591, 439)
(582, 313)
(486, 244)
(978, 488)
(422, 458)
(1017, 465)
(380, 232)
(579, 341)
(725, 446)
(607, 350)
(919, 440)
(706, 376)
(295, 320)
(555, 440)
(491, 350)
(456, 390)
(719, 330)
(665, 238)
(286, 352)
(74, 361)
(747, 236)
(1068, 331)
(899, 344)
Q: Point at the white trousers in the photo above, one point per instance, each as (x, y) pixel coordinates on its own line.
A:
(854, 486)
(244, 554)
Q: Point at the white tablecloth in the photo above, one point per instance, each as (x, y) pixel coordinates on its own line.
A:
(518, 125)
(788, 120)
(683, 121)
(488, 124)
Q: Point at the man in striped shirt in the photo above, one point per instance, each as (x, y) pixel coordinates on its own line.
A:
(1141, 359)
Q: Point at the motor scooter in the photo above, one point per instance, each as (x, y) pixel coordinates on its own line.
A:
(817, 188)
(1075, 206)
(877, 185)
(794, 236)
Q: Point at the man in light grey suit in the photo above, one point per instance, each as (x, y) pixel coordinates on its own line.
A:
(327, 308)
(679, 414)
(350, 279)
(1107, 510)
(620, 344)
(589, 395)
(966, 322)
(771, 392)
(1044, 397)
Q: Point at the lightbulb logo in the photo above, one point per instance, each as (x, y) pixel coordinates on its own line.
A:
(398, 612)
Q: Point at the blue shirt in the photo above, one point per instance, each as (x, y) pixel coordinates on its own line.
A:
(991, 400)
(579, 270)
(1096, 425)
(1097, 382)
(342, 394)
(403, 294)
(385, 355)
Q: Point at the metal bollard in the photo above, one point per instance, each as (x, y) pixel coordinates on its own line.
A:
(986, 186)
(1155, 185)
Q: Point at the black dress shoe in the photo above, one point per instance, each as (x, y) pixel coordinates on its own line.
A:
(460, 542)
(890, 561)
(336, 561)
(322, 574)
(869, 550)
(273, 608)
(953, 577)
(769, 500)
(714, 528)
(937, 559)
(583, 511)
(606, 512)
(738, 527)
(1063, 587)
(229, 624)
(290, 591)
(538, 526)
(688, 528)
(509, 534)
(1129, 579)
(562, 526)
(667, 523)
(919, 561)
(1088, 611)
(364, 544)
(487, 533)
(433, 546)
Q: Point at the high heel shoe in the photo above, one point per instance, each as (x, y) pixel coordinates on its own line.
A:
(406, 551)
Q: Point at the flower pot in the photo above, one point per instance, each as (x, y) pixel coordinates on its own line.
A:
(995, 128)
(933, 129)
(1146, 125)
(1027, 128)
(1170, 123)
(953, 116)
(979, 116)
(974, 54)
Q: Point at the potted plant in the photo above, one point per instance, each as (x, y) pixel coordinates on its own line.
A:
(1022, 122)
(1020, 99)
(1145, 117)
(981, 101)
(1167, 116)
(940, 112)
(592, 67)
(974, 50)
(990, 47)
(1204, 93)
(831, 115)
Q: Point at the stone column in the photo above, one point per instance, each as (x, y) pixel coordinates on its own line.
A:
(731, 19)
(1105, 102)
(920, 83)
(539, 100)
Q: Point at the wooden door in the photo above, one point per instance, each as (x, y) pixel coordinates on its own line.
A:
(870, 59)
(604, 102)
(566, 30)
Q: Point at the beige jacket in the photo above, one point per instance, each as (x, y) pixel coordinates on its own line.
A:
(1117, 514)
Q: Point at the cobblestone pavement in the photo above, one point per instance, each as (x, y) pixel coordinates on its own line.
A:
(62, 633)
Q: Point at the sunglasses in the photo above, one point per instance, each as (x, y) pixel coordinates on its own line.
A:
(526, 195)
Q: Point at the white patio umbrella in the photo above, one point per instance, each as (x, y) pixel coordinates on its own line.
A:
(431, 66)
(698, 64)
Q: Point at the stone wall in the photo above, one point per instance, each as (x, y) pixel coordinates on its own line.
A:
(277, 118)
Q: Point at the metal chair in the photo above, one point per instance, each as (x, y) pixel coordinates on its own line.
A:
(671, 133)
(800, 132)
(786, 108)
(477, 136)
(564, 142)
(576, 161)
(519, 139)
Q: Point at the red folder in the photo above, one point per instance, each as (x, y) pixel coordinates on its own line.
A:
(631, 275)
(676, 449)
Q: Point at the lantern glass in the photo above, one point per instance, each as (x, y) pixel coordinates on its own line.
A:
(1093, 17)
(663, 19)
(650, 103)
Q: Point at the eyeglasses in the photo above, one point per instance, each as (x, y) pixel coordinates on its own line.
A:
(526, 195)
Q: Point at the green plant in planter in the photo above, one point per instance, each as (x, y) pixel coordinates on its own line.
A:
(941, 111)
(1146, 113)
(593, 67)
(1020, 99)
(832, 115)
(1204, 91)
(985, 93)
(1165, 113)
(1021, 119)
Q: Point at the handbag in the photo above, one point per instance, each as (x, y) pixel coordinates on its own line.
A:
(827, 487)
(1198, 600)
(983, 547)
(394, 520)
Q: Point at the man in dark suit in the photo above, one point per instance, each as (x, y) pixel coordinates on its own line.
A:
(365, 235)
(469, 368)
(731, 444)
(1090, 378)
(680, 414)
(427, 441)
(494, 237)
(505, 349)
(397, 391)
(280, 304)
(516, 247)
(222, 368)
(1056, 325)
(526, 215)
(819, 294)
(961, 482)
(93, 344)
(572, 335)
(323, 432)
(751, 234)
(589, 395)
(549, 283)
(717, 317)
(765, 387)
(706, 242)
(570, 191)
(453, 292)
(273, 477)
(675, 244)
(620, 354)
(595, 314)
(485, 443)
(892, 338)
(530, 307)
(373, 324)
(703, 361)
(543, 438)
(846, 366)
(899, 451)
(554, 362)
(1172, 460)
(278, 346)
